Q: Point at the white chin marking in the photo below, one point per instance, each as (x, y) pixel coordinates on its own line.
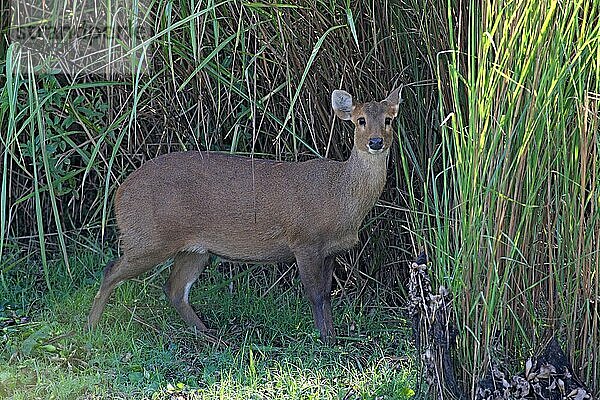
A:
(371, 151)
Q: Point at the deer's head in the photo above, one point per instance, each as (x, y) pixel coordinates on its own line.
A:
(372, 120)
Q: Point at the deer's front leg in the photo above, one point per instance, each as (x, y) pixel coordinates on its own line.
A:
(316, 273)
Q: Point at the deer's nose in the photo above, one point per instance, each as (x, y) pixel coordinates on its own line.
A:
(376, 143)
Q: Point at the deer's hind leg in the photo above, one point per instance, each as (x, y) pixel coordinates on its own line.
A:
(186, 269)
(114, 273)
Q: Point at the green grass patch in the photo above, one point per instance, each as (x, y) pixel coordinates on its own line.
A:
(142, 349)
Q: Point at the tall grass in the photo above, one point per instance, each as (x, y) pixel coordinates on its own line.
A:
(516, 197)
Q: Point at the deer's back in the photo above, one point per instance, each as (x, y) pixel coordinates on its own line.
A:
(233, 206)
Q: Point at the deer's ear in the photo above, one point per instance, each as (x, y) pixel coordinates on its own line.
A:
(393, 100)
(341, 101)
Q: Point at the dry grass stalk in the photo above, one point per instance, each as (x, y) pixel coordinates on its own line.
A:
(434, 333)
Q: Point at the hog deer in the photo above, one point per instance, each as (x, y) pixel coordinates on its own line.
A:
(191, 205)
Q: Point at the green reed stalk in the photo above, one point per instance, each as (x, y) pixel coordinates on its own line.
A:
(520, 153)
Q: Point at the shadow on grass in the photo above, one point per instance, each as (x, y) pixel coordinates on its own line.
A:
(142, 349)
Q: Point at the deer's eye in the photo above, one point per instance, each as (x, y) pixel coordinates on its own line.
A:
(361, 121)
(388, 121)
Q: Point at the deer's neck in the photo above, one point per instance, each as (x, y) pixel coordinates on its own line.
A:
(363, 181)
